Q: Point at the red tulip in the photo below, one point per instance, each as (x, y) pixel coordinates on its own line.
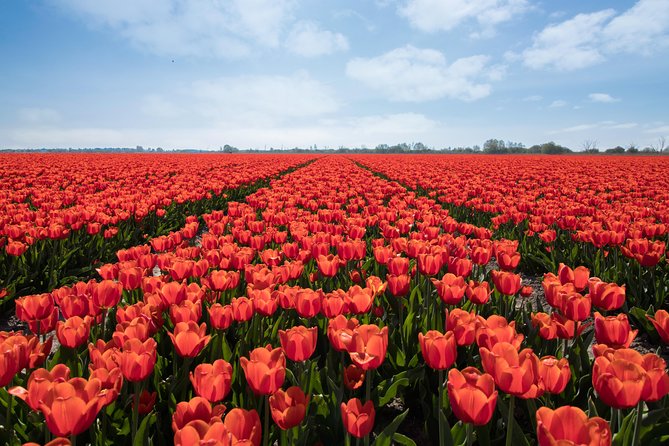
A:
(358, 419)
(137, 359)
(614, 331)
(196, 409)
(244, 427)
(70, 407)
(354, 377)
(554, 373)
(451, 288)
(439, 350)
(265, 369)
(569, 425)
(289, 407)
(472, 395)
(607, 296)
(506, 283)
(340, 331)
(220, 316)
(497, 329)
(478, 293)
(107, 294)
(398, 285)
(299, 343)
(463, 325)
(212, 381)
(368, 346)
(515, 373)
(39, 383)
(73, 332)
(578, 276)
(661, 323)
(619, 378)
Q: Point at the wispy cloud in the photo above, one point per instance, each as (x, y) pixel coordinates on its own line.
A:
(411, 74)
(590, 38)
(602, 97)
(558, 103)
(309, 40)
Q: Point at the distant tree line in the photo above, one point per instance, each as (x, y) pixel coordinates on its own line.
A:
(491, 146)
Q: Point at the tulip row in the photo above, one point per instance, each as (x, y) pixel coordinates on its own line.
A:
(52, 226)
(338, 301)
(577, 213)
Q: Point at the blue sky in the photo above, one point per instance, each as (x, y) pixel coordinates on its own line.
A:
(285, 73)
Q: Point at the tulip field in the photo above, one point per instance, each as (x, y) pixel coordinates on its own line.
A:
(282, 299)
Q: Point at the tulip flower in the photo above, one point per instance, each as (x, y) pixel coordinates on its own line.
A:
(107, 294)
(578, 276)
(607, 296)
(472, 395)
(497, 329)
(439, 350)
(661, 323)
(354, 377)
(265, 369)
(289, 407)
(569, 425)
(657, 379)
(299, 343)
(398, 285)
(244, 427)
(515, 373)
(619, 378)
(137, 359)
(39, 383)
(505, 282)
(451, 288)
(462, 324)
(74, 331)
(198, 432)
(555, 374)
(614, 331)
(189, 339)
(70, 407)
(368, 346)
(308, 302)
(358, 419)
(212, 381)
(340, 331)
(429, 264)
(478, 293)
(196, 409)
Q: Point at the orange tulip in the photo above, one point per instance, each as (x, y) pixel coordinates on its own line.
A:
(451, 288)
(578, 276)
(472, 395)
(368, 346)
(198, 432)
(607, 296)
(244, 427)
(70, 407)
(614, 331)
(657, 379)
(462, 324)
(515, 373)
(506, 283)
(289, 407)
(107, 294)
(74, 331)
(439, 350)
(39, 383)
(265, 369)
(429, 264)
(569, 425)
(308, 302)
(212, 381)
(358, 419)
(137, 359)
(220, 316)
(328, 265)
(497, 329)
(189, 339)
(554, 373)
(478, 293)
(398, 285)
(197, 408)
(340, 331)
(661, 323)
(619, 378)
(299, 343)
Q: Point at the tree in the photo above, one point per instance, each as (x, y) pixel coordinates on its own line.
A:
(494, 146)
(661, 144)
(590, 146)
(617, 149)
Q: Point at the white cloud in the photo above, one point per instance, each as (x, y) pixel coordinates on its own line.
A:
(266, 99)
(568, 45)
(207, 28)
(558, 103)
(589, 39)
(157, 106)
(533, 98)
(444, 15)
(658, 129)
(38, 115)
(412, 74)
(309, 40)
(602, 97)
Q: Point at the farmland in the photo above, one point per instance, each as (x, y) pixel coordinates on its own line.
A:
(310, 299)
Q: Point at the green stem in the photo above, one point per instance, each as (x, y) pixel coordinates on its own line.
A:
(10, 404)
(368, 396)
(614, 423)
(265, 433)
(135, 409)
(509, 424)
(347, 439)
(442, 439)
(637, 423)
(470, 434)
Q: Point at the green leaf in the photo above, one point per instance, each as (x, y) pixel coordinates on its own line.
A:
(624, 436)
(403, 440)
(142, 436)
(519, 439)
(392, 390)
(385, 438)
